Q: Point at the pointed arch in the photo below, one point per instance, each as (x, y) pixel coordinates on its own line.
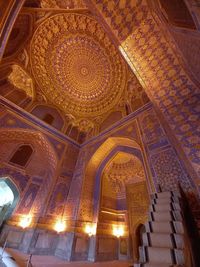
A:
(44, 157)
(92, 180)
(22, 155)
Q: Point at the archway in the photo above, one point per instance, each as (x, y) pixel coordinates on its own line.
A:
(9, 198)
(139, 230)
(92, 186)
(40, 167)
(124, 200)
(34, 179)
(90, 196)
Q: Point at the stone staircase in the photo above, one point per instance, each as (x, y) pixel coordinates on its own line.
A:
(163, 240)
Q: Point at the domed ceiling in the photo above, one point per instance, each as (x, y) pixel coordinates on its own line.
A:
(76, 66)
(67, 64)
(123, 169)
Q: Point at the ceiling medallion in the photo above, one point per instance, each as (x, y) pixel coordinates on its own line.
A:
(76, 65)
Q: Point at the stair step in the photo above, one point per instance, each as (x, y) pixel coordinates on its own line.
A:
(155, 200)
(163, 240)
(164, 227)
(162, 255)
(167, 194)
(165, 216)
(154, 265)
(165, 207)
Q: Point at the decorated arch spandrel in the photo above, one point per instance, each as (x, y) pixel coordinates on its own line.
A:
(90, 196)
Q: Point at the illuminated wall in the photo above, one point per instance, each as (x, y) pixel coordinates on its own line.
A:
(162, 164)
(53, 185)
(44, 182)
(145, 42)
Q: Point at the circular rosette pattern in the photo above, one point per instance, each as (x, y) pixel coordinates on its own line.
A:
(76, 65)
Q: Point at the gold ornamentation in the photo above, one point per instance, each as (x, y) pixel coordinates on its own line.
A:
(20, 79)
(11, 122)
(86, 204)
(138, 205)
(65, 4)
(76, 65)
(84, 125)
(124, 169)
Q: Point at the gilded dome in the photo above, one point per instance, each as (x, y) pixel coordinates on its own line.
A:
(76, 65)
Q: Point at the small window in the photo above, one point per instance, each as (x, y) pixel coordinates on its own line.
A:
(22, 155)
(48, 118)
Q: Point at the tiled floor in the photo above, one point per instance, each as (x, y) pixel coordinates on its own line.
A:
(51, 261)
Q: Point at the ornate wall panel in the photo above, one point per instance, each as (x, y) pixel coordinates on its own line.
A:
(19, 178)
(166, 166)
(91, 177)
(58, 197)
(169, 170)
(149, 53)
(69, 161)
(39, 177)
(73, 198)
(138, 204)
(162, 162)
(28, 199)
(63, 4)
(59, 200)
(10, 120)
(43, 155)
(136, 97)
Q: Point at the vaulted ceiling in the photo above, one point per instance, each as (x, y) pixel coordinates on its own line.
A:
(59, 54)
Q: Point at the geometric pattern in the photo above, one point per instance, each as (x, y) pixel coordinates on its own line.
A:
(76, 66)
(169, 171)
(166, 167)
(118, 174)
(20, 179)
(148, 51)
(64, 4)
(20, 79)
